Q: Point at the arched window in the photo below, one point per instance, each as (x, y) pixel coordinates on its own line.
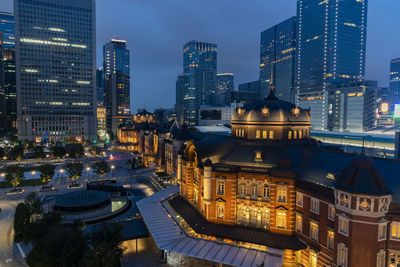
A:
(264, 134)
(258, 136)
(290, 135)
(266, 191)
(300, 134)
(295, 134)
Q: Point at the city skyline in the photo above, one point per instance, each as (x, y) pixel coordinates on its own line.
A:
(238, 53)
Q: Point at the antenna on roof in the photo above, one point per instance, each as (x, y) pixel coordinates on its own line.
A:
(271, 84)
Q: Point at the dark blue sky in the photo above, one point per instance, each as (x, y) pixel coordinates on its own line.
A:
(157, 29)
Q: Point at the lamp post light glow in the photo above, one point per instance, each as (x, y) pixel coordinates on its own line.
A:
(112, 174)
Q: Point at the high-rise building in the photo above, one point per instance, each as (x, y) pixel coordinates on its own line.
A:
(251, 87)
(100, 86)
(116, 83)
(9, 86)
(2, 104)
(277, 52)
(200, 64)
(331, 42)
(181, 83)
(225, 86)
(352, 107)
(394, 83)
(55, 70)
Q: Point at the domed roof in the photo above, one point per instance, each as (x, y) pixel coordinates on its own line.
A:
(271, 110)
(360, 176)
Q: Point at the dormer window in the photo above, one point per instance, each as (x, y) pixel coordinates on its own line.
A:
(258, 155)
(265, 111)
(240, 111)
(296, 111)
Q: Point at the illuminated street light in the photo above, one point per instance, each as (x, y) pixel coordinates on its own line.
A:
(4, 157)
(88, 169)
(33, 172)
(61, 170)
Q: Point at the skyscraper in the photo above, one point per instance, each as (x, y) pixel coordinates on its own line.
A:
(225, 86)
(56, 53)
(100, 86)
(9, 86)
(200, 64)
(181, 83)
(277, 51)
(331, 41)
(116, 83)
(394, 83)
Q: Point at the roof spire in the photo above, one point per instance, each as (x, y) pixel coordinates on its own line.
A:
(271, 84)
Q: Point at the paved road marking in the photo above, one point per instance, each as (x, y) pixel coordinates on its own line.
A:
(20, 250)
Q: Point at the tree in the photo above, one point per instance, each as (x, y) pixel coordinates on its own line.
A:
(2, 153)
(105, 247)
(21, 219)
(46, 173)
(101, 168)
(14, 176)
(74, 171)
(17, 152)
(58, 151)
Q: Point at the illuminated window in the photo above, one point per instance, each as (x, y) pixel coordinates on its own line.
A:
(281, 219)
(382, 231)
(258, 134)
(314, 231)
(395, 230)
(281, 194)
(331, 240)
(299, 199)
(313, 259)
(295, 134)
(290, 135)
(258, 155)
(300, 134)
(242, 188)
(254, 190)
(271, 134)
(299, 223)
(343, 226)
(220, 187)
(264, 133)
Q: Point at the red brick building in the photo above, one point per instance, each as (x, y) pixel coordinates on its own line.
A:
(323, 207)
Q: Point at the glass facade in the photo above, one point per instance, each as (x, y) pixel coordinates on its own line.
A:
(394, 83)
(100, 86)
(331, 42)
(200, 64)
(225, 86)
(9, 86)
(277, 50)
(117, 82)
(56, 91)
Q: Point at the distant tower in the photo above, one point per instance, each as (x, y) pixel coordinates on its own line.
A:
(200, 64)
(277, 49)
(116, 83)
(55, 68)
(331, 42)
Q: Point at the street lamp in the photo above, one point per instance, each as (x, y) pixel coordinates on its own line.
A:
(112, 174)
(5, 158)
(87, 172)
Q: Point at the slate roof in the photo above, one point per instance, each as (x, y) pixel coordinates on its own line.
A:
(233, 232)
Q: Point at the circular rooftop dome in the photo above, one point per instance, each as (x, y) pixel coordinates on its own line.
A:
(271, 110)
(82, 200)
(271, 119)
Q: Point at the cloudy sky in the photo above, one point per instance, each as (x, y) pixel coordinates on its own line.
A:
(156, 30)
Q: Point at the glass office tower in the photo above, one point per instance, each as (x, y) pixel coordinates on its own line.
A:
(225, 85)
(200, 64)
(331, 41)
(9, 85)
(394, 83)
(277, 51)
(56, 69)
(116, 83)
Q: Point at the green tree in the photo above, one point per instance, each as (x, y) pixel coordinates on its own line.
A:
(21, 220)
(34, 205)
(101, 168)
(105, 247)
(2, 153)
(17, 152)
(74, 171)
(15, 174)
(46, 173)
